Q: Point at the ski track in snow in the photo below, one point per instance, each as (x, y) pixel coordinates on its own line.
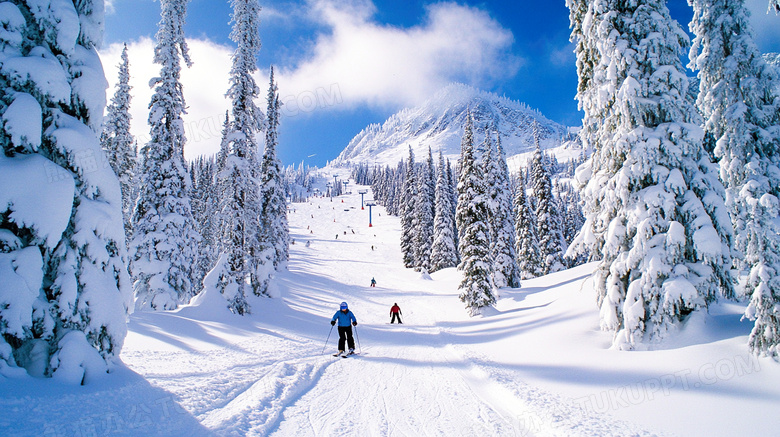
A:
(407, 381)
(267, 374)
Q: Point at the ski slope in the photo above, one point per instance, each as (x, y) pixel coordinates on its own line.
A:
(535, 365)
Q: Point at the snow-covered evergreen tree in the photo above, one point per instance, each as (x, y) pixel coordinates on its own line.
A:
(118, 142)
(407, 211)
(485, 152)
(476, 289)
(654, 208)
(205, 204)
(64, 288)
(529, 259)
(506, 272)
(423, 234)
(431, 182)
(165, 241)
(552, 245)
(739, 101)
(240, 213)
(444, 253)
(452, 179)
(276, 234)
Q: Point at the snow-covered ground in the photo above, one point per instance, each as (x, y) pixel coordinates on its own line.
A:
(536, 364)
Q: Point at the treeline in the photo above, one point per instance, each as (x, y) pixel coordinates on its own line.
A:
(527, 220)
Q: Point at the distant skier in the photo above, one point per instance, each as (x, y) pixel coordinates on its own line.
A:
(345, 317)
(373, 282)
(395, 314)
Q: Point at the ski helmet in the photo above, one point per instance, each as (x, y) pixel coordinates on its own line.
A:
(343, 305)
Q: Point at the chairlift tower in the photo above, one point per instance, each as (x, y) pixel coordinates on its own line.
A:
(369, 204)
(362, 193)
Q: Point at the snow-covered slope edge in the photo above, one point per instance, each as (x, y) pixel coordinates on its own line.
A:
(438, 123)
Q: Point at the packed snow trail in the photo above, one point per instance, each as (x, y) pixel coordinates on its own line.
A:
(201, 371)
(409, 379)
(402, 383)
(273, 377)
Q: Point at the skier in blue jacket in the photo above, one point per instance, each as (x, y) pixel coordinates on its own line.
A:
(346, 320)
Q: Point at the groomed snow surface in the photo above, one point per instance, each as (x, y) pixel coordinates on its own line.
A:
(536, 364)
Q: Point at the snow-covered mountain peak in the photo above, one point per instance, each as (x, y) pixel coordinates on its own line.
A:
(439, 122)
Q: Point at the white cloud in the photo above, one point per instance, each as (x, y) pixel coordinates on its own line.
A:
(388, 66)
(204, 85)
(357, 62)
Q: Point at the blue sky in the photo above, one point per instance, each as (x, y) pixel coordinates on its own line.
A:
(343, 64)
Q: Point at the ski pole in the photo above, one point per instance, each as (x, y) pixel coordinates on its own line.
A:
(358, 339)
(326, 340)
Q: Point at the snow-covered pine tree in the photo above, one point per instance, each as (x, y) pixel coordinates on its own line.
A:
(276, 234)
(569, 205)
(241, 206)
(737, 98)
(506, 272)
(64, 288)
(118, 142)
(408, 206)
(444, 253)
(741, 107)
(654, 208)
(489, 173)
(165, 242)
(221, 180)
(598, 213)
(431, 181)
(452, 180)
(205, 204)
(423, 234)
(224, 146)
(528, 255)
(552, 246)
(476, 289)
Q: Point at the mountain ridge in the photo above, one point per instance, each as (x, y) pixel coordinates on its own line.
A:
(438, 123)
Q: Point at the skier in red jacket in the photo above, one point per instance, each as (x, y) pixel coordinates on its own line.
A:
(395, 314)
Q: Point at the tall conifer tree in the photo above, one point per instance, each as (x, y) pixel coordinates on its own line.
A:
(407, 210)
(476, 289)
(552, 246)
(529, 259)
(423, 235)
(274, 204)
(654, 208)
(64, 288)
(444, 253)
(240, 215)
(741, 107)
(506, 272)
(118, 142)
(165, 242)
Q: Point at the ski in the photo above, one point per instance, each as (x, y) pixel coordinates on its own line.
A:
(338, 354)
(349, 354)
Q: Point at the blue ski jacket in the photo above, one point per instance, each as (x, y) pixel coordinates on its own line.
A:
(344, 319)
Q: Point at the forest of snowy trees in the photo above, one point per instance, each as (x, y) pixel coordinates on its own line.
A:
(679, 199)
(480, 218)
(673, 230)
(123, 227)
